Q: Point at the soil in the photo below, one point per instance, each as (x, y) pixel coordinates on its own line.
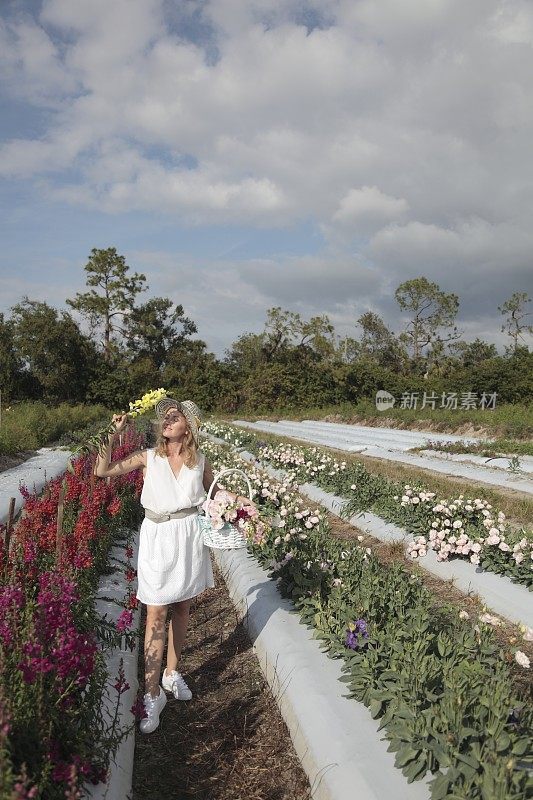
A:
(229, 742)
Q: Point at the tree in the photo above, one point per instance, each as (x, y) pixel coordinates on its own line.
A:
(431, 310)
(281, 327)
(246, 352)
(514, 308)
(56, 355)
(472, 353)
(319, 335)
(151, 330)
(348, 350)
(286, 331)
(379, 343)
(108, 272)
(195, 373)
(10, 362)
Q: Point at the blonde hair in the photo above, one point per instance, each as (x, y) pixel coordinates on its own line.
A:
(189, 449)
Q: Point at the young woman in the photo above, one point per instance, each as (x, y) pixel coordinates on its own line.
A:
(173, 563)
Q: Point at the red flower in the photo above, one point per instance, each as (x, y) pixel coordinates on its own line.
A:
(114, 506)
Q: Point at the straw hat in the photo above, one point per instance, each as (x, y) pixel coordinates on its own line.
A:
(190, 411)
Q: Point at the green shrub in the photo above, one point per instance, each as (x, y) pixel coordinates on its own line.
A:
(28, 426)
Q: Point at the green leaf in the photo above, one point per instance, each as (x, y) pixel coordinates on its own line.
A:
(521, 747)
(466, 759)
(405, 755)
(503, 742)
(415, 770)
(375, 708)
(439, 787)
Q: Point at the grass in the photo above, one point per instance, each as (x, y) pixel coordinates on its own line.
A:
(506, 421)
(28, 426)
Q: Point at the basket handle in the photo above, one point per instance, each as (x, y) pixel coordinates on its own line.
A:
(225, 472)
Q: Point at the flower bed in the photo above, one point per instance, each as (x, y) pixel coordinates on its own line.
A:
(461, 527)
(448, 697)
(53, 738)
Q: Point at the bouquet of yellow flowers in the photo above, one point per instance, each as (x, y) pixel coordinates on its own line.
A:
(147, 402)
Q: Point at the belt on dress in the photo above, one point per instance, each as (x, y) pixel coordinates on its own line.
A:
(183, 512)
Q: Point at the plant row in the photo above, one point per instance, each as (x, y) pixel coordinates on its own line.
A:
(29, 425)
(466, 527)
(447, 696)
(53, 736)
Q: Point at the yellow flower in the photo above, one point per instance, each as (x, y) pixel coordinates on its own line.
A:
(147, 402)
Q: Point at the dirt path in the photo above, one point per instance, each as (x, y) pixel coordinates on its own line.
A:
(229, 742)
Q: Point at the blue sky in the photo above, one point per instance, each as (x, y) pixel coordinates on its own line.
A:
(246, 154)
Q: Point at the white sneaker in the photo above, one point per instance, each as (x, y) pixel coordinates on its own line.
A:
(153, 707)
(174, 682)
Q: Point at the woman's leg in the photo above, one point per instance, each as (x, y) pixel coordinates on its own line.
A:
(154, 645)
(177, 630)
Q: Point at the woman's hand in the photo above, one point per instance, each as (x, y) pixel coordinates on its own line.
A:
(120, 421)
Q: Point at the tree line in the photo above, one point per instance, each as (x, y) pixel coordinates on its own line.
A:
(133, 346)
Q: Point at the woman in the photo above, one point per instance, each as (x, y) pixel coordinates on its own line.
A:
(173, 563)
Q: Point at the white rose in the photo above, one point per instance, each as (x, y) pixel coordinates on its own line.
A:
(527, 634)
(522, 659)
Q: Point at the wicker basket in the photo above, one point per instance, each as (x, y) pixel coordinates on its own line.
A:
(229, 537)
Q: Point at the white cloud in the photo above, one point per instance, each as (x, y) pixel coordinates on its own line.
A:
(368, 207)
(402, 131)
(513, 22)
(31, 66)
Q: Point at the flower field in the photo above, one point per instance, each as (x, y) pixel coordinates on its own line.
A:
(52, 735)
(450, 698)
(449, 693)
(458, 527)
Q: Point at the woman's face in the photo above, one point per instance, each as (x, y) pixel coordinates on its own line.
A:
(174, 424)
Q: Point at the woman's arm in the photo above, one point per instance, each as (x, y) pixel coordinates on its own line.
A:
(208, 480)
(103, 469)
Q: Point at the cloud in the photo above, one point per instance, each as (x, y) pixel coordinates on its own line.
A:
(31, 66)
(367, 209)
(402, 132)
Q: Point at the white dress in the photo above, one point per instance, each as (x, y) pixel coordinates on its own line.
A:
(173, 562)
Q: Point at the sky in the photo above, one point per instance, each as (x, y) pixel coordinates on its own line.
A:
(245, 154)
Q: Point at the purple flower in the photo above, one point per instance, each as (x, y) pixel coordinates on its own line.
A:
(353, 633)
(125, 620)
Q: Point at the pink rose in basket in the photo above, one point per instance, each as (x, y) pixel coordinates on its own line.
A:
(223, 497)
(214, 510)
(217, 523)
(222, 509)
